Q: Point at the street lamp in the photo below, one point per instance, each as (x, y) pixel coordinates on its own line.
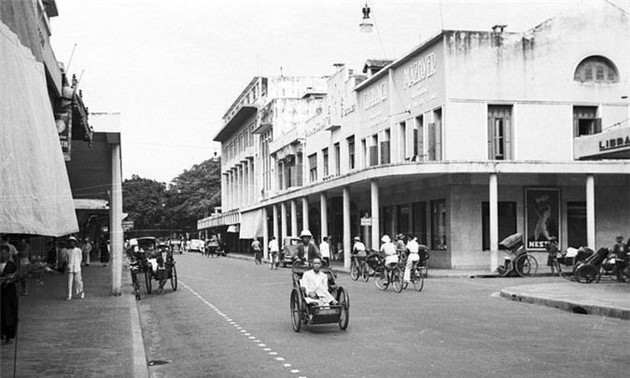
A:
(366, 24)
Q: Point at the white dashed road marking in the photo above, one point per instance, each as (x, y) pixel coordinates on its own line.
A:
(244, 332)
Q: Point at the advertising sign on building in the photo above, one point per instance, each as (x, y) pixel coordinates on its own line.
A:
(542, 216)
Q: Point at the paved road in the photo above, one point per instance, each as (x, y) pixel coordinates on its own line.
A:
(230, 318)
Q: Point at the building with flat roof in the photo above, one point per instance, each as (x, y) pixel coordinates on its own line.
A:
(470, 137)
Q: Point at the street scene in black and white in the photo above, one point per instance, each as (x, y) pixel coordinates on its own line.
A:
(357, 188)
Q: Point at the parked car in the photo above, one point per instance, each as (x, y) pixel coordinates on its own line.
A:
(289, 249)
(196, 245)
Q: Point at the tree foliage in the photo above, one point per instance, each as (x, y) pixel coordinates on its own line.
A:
(161, 209)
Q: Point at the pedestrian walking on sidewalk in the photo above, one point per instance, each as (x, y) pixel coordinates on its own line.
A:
(73, 259)
(274, 250)
(86, 250)
(257, 251)
(9, 297)
(324, 249)
(104, 249)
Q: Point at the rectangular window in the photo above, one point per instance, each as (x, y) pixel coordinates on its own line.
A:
(438, 224)
(418, 139)
(337, 159)
(325, 154)
(402, 139)
(312, 167)
(585, 121)
(350, 152)
(299, 170)
(507, 222)
(364, 152)
(374, 151)
(500, 132)
(419, 219)
(434, 152)
(385, 148)
(280, 176)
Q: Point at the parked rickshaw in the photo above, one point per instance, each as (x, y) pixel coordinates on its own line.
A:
(158, 263)
(311, 314)
(603, 262)
(517, 261)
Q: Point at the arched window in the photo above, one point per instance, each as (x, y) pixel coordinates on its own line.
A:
(596, 69)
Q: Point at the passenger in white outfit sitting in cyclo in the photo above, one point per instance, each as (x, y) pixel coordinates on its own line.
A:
(314, 284)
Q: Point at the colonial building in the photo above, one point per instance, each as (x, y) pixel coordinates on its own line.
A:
(470, 137)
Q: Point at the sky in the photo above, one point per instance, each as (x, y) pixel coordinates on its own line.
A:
(172, 68)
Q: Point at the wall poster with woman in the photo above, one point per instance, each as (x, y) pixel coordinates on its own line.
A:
(542, 216)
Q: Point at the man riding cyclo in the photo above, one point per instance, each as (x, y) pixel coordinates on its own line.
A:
(314, 284)
(307, 250)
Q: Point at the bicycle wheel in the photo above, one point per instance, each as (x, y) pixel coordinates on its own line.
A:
(586, 273)
(296, 312)
(174, 278)
(418, 279)
(354, 270)
(397, 280)
(147, 279)
(526, 265)
(381, 281)
(365, 272)
(344, 301)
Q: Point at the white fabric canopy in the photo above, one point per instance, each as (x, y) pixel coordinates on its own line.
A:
(35, 195)
(251, 225)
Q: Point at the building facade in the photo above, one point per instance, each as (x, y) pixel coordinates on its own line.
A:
(471, 137)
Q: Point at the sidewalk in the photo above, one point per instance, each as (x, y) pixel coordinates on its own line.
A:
(607, 298)
(98, 336)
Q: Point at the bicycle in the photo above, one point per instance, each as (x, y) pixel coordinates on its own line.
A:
(358, 268)
(385, 275)
(416, 277)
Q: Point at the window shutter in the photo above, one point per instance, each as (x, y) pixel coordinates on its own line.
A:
(507, 138)
(431, 136)
(438, 141)
(598, 126)
(491, 137)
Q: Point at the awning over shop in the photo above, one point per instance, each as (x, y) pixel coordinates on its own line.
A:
(35, 196)
(610, 144)
(251, 224)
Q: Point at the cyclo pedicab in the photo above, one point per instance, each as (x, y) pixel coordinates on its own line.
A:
(158, 263)
(517, 261)
(307, 311)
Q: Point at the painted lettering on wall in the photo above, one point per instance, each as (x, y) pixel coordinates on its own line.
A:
(419, 70)
(614, 143)
(374, 95)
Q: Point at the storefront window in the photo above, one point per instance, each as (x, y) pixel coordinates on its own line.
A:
(438, 224)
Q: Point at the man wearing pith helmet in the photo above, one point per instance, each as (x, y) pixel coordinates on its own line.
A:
(307, 250)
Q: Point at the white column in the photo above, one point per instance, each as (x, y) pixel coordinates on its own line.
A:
(375, 214)
(265, 231)
(276, 231)
(590, 211)
(494, 221)
(283, 220)
(305, 214)
(346, 228)
(294, 222)
(323, 213)
(115, 225)
(223, 191)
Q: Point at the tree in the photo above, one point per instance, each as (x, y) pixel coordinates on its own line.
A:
(144, 200)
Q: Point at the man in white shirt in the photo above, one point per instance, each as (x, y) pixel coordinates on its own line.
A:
(274, 250)
(73, 259)
(324, 249)
(413, 247)
(315, 284)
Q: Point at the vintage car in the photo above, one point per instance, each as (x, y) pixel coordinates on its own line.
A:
(196, 245)
(289, 249)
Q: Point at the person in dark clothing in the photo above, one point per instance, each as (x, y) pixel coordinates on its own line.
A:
(620, 250)
(307, 250)
(104, 249)
(9, 305)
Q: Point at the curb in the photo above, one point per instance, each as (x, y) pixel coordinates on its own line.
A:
(570, 306)
(139, 358)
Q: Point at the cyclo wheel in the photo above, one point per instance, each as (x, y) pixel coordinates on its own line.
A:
(354, 270)
(147, 279)
(296, 311)
(586, 273)
(344, 301)
(365, 272)
(397, 280)
(381, 281)
(418, 278)
(173, 277)
(526, 265)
